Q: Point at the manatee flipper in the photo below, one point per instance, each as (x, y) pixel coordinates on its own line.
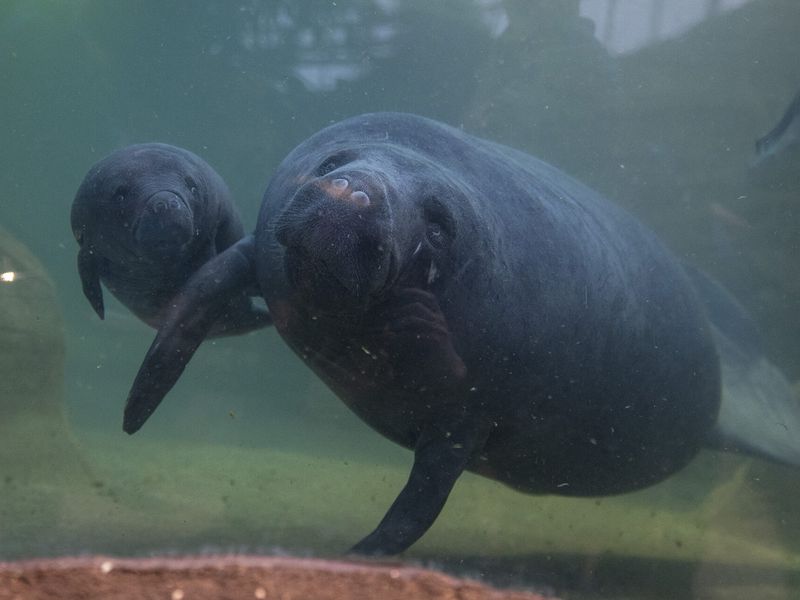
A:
(90, 280)
(240, 316)
(192, 313)
(440, 456)
(411, 327)
(759, 413)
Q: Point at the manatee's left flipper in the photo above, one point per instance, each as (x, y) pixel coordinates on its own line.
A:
(90, 280)
(441, 455)
(240, 316)
(193, 311)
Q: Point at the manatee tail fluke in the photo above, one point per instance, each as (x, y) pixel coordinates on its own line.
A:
(759, 414)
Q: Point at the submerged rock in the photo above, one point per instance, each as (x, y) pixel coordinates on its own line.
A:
(35, 443)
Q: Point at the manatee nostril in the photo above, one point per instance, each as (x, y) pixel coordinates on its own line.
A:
(359, 198)
(340, 184)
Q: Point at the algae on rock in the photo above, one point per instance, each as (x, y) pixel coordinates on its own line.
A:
(38, 455)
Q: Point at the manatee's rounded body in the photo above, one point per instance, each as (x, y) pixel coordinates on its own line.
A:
(424, 273)
(147, 217)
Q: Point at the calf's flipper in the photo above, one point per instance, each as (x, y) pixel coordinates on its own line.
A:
(90, 280)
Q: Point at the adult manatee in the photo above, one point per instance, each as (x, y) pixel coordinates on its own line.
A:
(148, 216)
(473, 304)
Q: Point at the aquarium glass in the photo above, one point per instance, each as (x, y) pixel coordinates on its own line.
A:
(655, 104)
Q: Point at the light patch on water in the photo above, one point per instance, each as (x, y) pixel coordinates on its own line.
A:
(624, 26)
(494, 16)
(325, 77)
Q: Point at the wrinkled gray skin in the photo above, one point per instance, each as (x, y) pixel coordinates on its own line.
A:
(473, 304)
(148, 216)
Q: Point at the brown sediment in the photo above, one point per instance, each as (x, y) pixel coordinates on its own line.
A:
(235, 577)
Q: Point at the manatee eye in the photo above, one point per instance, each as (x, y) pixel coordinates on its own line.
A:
(440, 228)
(333, 162)
(326, 168)
(191, 185)
(435, 235)
(119, 194)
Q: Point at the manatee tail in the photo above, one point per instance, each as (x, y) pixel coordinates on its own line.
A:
(759, 414)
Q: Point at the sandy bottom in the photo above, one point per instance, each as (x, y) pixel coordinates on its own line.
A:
(235, 577)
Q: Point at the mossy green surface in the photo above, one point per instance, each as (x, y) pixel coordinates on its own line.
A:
(150, 496)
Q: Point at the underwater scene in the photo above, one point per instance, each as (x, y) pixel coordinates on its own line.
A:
(509, 288)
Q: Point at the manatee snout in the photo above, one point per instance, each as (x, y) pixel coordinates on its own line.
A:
(337, 231)
(165, 224)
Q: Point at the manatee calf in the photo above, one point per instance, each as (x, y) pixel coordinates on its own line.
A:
(473, 304)
(146, 217)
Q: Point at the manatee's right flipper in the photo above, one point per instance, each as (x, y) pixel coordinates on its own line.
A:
(202, 301)
(90, 279)
(759, 413)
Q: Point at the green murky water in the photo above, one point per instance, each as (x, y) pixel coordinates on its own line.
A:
(656, 103)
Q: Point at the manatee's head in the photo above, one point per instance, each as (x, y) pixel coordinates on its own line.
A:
(361, 220)
(142, 203)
